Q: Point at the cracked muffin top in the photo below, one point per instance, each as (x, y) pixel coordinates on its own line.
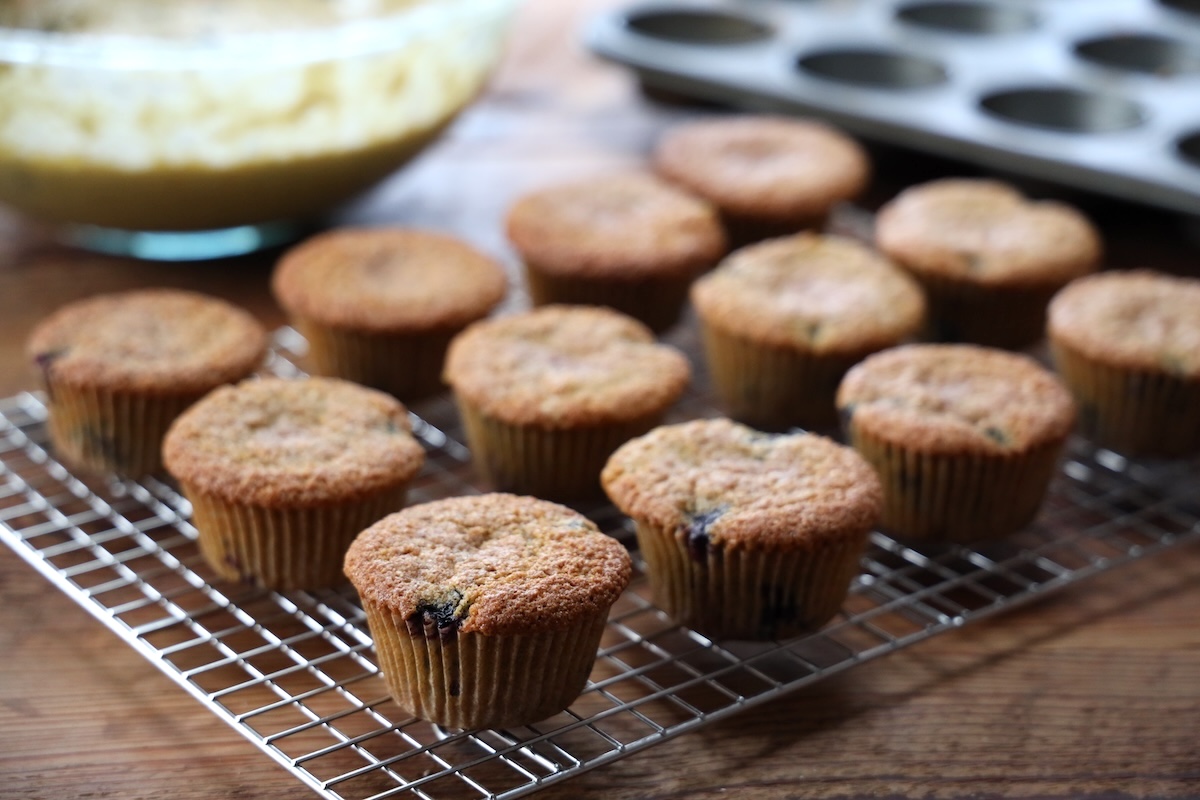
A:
(293, 443)
(626, 226)
(986, 232)
(821, 294)
(388, 280)
(774, 168)
(1138, 319)
(488, 564)
(721, 484)
(159, 341)
(565, 366)
(956, 399)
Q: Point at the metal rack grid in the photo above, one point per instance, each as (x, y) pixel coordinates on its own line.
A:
(294, 673)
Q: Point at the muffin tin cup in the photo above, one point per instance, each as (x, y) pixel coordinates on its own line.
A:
(471, 681)
(1010, 317)
(106, 432)
(656, 302)
(957, 497)
(1137, 412)
(407, 366)
(555, 464)
(773, 388)
(972, 17)
(284, 548)
(745, 593)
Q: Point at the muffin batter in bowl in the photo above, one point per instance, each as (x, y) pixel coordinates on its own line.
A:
(198, 115)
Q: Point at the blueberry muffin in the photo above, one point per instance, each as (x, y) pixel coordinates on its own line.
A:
(379, 306)
(628, 241)
(746, 535)
(769, 176)
(546, 396)
(782, 321)
(283, 474)
(486, 611)
(988, 258)
(1128, 346)
(119, 368)
(966, 439)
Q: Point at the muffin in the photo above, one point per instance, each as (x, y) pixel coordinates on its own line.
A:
(629, 241)
(965, 438)
(379, 306)
(746, 535)
(486, 611)
(1128, 346)
(118, 368)
(283, 474)
(768, 176)
(782, 321)
(988, 258)
(547, 395)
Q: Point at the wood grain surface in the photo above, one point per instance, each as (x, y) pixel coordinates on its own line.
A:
(1091, 692)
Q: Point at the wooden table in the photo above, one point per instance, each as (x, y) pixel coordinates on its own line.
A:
(1091, 692)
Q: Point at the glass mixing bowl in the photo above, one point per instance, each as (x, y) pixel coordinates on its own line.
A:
(195, 128)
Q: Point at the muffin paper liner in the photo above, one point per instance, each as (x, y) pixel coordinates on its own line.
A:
(117, 432)
(773, 388)
(1007, 317)
(958, 498)
(553, 464)
(284, 548)
(743, 230)
(407, 366)
(1138, 412)
(748, 594)
(467, 680)
(657, 302)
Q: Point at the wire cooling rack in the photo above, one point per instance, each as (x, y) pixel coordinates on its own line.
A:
(295, 674)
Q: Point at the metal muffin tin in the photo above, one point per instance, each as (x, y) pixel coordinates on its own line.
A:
(1102, 95)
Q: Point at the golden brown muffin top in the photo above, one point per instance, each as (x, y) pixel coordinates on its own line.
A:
(565, 367)
(388, 280)
(956, 399)
(1138, 319)
(624, 227)
(490, 564)
(723, 484)
(985, 232)
(293, 443)
(821, 294)
(764, 167)
(159, 341)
